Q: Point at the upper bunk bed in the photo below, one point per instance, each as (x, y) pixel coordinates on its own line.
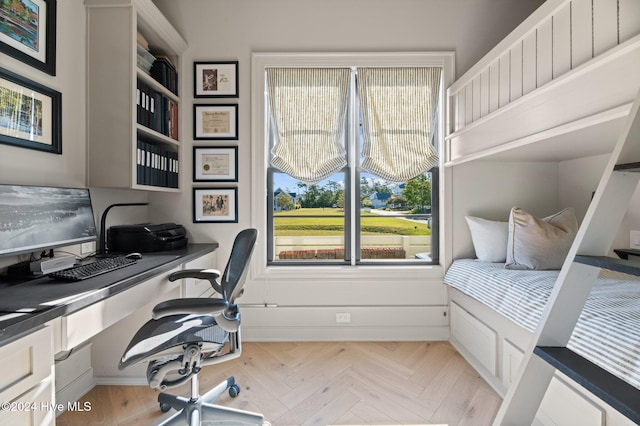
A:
(560, 86)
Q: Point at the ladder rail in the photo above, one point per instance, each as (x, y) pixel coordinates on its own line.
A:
(575, 281)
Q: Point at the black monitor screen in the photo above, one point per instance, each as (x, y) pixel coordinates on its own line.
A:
(36, 217)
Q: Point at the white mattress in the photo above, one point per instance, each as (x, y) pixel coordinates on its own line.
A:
(608, 331)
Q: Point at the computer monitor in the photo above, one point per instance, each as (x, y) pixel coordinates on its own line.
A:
(34, 218)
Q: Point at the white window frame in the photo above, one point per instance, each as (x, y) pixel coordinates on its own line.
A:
(259, 158)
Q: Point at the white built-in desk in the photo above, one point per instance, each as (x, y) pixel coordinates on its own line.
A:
(43, 317)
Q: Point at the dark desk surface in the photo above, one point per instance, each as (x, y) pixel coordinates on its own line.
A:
(32, 303)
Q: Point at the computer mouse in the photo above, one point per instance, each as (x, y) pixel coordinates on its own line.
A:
(135, 256)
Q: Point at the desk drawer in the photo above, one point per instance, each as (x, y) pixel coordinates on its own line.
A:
(82, 325)
(25, 363)
(34, 408)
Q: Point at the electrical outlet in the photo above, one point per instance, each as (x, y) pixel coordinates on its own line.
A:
(89, 247)
(343, 317)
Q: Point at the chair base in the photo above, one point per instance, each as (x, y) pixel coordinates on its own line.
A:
(199, 410)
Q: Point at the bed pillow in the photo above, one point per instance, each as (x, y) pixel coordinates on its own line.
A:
(489, 238)
(535, 243)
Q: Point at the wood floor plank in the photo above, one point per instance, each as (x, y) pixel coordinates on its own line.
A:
(363, 412)
(323, 383)
(436, 356)
(311, 409)
(457, 405)
(389, 395)
(484, 403)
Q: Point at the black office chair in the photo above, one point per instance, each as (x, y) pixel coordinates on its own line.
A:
(187, 334)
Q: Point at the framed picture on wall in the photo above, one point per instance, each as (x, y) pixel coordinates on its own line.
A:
(219, 121)
(215, 205)
(215, 79)
(28, 32)
(219, 164)
(31, 114)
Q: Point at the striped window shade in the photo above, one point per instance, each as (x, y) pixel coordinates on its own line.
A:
(398, 107)
(308, 113)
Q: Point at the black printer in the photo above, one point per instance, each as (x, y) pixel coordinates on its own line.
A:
(146, 237)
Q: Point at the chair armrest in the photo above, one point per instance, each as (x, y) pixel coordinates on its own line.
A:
(203, 274)
(194, 305)
(210, 275)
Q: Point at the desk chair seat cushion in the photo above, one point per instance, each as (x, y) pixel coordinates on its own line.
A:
(167, 336)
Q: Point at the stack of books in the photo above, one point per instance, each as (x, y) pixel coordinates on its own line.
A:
(145, 58)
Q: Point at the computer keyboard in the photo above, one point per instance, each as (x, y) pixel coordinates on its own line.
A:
(99, 266)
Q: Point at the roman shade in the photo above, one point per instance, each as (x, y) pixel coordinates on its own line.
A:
(398, 106)
(308, 113)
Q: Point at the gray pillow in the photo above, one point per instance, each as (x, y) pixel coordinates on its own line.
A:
(540, 243)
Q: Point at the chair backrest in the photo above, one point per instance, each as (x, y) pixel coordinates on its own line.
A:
(235, 272)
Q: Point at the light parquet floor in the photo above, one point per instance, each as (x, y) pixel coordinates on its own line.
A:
(324, 383)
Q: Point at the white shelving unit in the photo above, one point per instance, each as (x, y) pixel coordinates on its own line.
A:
(112, 81)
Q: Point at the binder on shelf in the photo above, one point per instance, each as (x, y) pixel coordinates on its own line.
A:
(164, 72)
(139, 161)
(144, 112)
(156, 111)
(140, 103)
(156, 165)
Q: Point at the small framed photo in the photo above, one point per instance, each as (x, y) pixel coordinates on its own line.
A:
(30, 114)
(215, 79)
(28, 32)
(215, 205)
(211, 122)
(215, 164)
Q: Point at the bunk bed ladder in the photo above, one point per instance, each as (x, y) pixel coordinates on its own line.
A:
(547, 351)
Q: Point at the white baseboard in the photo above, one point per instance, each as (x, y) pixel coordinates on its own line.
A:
(326, 323)
(76, 389)
(334, 334)
(122, 381)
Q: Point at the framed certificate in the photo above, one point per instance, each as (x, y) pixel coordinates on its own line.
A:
(219, 121)
(219, 164)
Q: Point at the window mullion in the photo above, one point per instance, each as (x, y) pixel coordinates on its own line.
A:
(354, 216)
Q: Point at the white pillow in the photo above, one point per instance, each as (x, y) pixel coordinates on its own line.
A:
(540, 243)
(489, 238)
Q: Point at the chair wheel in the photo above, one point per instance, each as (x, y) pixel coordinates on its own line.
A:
(234, 390)
(164, 407)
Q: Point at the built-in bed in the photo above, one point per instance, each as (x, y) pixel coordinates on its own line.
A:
(607, 334)
(559, 87)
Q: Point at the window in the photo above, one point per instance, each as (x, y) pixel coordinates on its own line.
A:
(338, 193)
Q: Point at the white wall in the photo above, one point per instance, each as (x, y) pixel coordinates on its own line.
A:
(29, 167)
(541, 188)
(224, 29)
(579, 178)
(232, 30)
(25, 166)
(489, 189)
